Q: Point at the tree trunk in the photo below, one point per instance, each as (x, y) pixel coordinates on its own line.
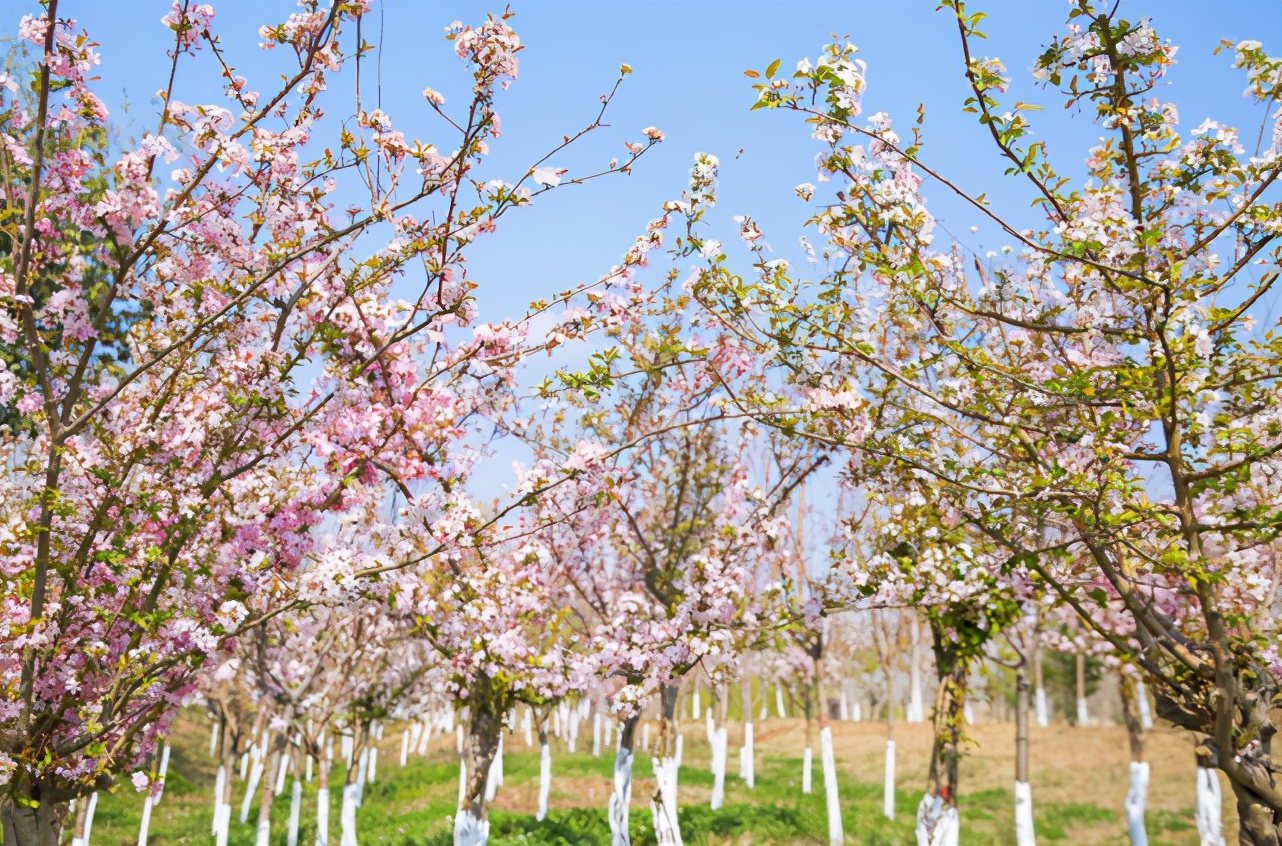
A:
(718, 740)
(485, 724)
(621, 796)
(356, 764)
(323, 765)
(545, 771)
(1083, 715)
(1137, 796)
(1208, 809)
(888, 794)
(663, 805)
(916, 707)
(836, 833)
(1043, 713)
(33, 826)
(1024, 831)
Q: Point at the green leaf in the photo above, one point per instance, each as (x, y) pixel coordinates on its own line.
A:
(772, 68)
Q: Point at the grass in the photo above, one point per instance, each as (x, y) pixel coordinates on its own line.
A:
(413, 806)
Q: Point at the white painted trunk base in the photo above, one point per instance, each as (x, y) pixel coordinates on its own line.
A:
(836, 835)
(680, 749)
(1136, 800)
(805, 771)
(844, 708)
(469, 830)
(220, 782)
(948, 830)
(719, 744)
(596, 735)
(322, 817)
(929, 810)
(93, 806)
(888, 795)
(224, 824)
(1207, 811)
(347, 816)
(164, 768)
(1083, 715)
(779, 709)
(1024, 835)
(747, 758)
(621, 799)
(295, 808)
(213, 740)
(255, 776)
(281, 772)
(1146, 712)
(146, 819)
(695, 711)
(545, 780)
(664, 810)
(1043, 713)
(405, 748)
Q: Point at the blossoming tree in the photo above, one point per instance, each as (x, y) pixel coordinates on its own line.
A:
(285, 364)
(1093, 410)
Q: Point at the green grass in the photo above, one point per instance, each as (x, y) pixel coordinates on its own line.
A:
(414, 806)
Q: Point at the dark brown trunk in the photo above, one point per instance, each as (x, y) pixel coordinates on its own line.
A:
(1021, 725)
(32, 826)
(667, 746)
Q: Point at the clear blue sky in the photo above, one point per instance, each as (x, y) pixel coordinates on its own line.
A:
(688, 60)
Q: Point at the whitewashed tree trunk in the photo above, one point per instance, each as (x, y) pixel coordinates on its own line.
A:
(1043, 713)
(295, 808)
(1136, 801)
(371, 770)
(147, 802)
(1024, 815)
(844, 707)
(948, 830)
(664, 810)
(470, 830)
(347, 815)
(545, 773)
(1083, 716)
(223, 818)
(719, 743)
(596, 735)
(779, 709)
(680, 750)
(888, 795)
(695, 711)
(1146, 712)
(219, 780)
(255, 775)
(915, 712)
(805, 771)
(747, 758)
(1208, 809)
(621, 796)
(322, 817)
(281, 773)
(527, 725)
(164, 768)
(836, 835)
(405, 748)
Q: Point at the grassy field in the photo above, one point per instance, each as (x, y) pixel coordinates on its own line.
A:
(1079, 781)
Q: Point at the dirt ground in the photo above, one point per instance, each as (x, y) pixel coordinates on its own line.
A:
(1070, 765)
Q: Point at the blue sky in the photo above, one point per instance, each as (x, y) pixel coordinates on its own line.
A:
(688, 60)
